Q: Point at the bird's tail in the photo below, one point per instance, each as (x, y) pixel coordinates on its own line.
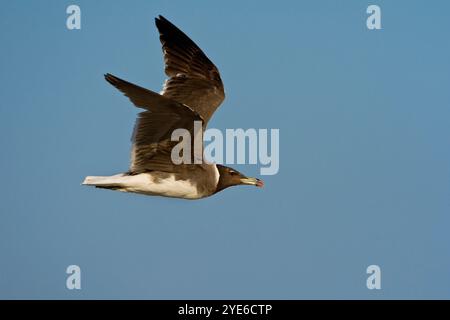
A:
(111, 182)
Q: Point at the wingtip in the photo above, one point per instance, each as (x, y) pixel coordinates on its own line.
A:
(162, 23)
(110, 78)
(159, 19)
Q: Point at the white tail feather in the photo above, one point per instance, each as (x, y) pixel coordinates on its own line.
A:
(116, 180)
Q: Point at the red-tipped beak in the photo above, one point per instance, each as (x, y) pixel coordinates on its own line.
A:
(252, 182)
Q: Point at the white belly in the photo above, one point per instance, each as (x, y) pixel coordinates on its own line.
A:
(168, 187)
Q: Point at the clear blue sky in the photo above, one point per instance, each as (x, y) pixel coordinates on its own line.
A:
(364, 119)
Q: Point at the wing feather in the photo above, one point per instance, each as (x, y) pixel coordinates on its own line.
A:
(152, 146)
(193, 79)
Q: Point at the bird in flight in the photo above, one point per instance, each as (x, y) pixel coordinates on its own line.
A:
(193, 91)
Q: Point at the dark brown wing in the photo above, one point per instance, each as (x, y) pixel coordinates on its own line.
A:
(153, 129)
(193, 79)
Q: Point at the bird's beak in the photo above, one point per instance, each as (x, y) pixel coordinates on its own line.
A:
(252, 182)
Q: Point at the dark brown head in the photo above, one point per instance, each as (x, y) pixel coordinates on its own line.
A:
(230, 177)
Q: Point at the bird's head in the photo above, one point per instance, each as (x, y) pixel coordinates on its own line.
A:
(230, 177)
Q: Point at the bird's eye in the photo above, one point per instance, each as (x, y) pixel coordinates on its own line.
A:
(233, 173)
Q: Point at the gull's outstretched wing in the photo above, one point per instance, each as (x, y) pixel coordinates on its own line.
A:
(193, 79)
(153, 129)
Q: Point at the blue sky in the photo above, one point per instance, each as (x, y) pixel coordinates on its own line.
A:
(364, 123)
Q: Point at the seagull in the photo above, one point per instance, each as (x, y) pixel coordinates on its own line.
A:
(192, 92)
